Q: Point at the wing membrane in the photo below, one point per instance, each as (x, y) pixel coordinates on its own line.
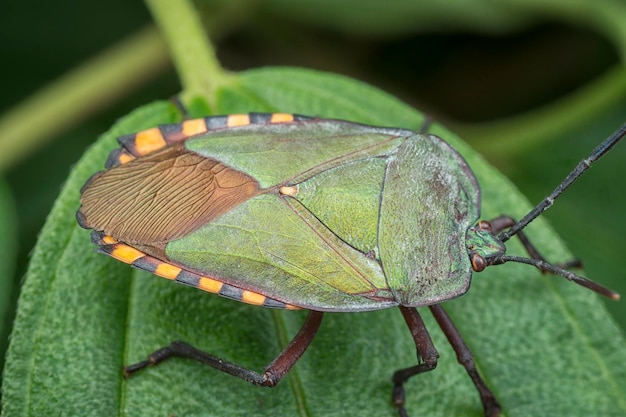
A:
(163, 196)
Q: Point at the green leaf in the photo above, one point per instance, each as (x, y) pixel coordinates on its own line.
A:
(545, 346)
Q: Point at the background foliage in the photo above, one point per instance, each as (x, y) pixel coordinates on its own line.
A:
(532, 85)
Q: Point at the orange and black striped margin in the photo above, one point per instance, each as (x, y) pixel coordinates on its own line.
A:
(138, 259)
(148, 141)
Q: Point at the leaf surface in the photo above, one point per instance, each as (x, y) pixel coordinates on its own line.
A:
(545, 346)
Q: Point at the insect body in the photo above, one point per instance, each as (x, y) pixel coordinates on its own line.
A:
(288, 211)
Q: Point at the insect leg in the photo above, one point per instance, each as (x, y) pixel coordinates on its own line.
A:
(268, 378)
(176, 101)
(465, 358)
(428, 121)
(503, 222)
(426, 353)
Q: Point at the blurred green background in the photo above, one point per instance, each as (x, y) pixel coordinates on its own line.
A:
(534, 87)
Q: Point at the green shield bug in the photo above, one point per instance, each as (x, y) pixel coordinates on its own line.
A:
(293, 212)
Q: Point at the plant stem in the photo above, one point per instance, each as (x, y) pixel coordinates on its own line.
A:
(193, 55)
(80, 93)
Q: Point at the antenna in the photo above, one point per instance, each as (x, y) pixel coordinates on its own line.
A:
(555, 270)
(583, 166)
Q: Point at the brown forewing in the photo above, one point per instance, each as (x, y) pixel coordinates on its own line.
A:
(162, 196)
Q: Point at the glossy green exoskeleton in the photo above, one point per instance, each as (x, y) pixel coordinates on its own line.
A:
(288, 211)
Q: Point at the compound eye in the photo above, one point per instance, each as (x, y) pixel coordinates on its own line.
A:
(478, 263)
(484, 225)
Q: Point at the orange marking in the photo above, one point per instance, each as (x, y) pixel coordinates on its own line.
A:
(126, 254)
(292, 307)
(281, 118)
(210, 285)
(108, 240)
(252, 298)
(238, 120)
(124, 158)
(290, 190)
(149, 140)
(167, 271)
(194, 126)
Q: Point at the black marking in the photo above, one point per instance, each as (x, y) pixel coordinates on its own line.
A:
(128, 142)
(233, 293)
(188, 278)
(301, 118)
(82, 221)
(171, 131)
(107, 249)
(216, 122)
(96, 238)
(269, 303)
(112, 160)
(260, 118)
(115, 156)
(146, 263)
